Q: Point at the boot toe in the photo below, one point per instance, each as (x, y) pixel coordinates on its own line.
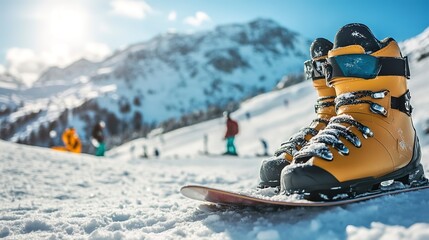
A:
(270, 172)
(306, 179)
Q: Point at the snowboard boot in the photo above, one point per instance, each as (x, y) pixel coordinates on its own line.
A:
(271, 168)
(371, 142)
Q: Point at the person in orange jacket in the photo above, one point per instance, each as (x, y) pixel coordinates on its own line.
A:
(71, 141)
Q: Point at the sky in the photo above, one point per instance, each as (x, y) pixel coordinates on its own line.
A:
(36, 34)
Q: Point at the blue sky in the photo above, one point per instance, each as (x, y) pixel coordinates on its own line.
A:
(35, 34)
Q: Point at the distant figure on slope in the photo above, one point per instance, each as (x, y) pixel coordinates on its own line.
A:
(248, 115)
(206, 142)
(98, 139)
(145, 155)
(231, 131)
(156, 152)
(264, 146)
(71, 141)
(286, 102)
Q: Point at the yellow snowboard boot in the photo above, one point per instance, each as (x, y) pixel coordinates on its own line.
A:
(372, 140)
(271, 168)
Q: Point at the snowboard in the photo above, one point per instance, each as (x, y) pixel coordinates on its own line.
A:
(225, 197)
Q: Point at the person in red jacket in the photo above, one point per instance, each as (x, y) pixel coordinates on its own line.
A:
(231, 131)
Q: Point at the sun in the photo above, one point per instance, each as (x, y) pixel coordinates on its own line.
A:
(64, 25)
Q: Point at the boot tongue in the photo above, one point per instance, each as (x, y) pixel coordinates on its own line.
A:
(320, 47)
(357, 34)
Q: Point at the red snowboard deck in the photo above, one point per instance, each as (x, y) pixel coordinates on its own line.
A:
(219, 196)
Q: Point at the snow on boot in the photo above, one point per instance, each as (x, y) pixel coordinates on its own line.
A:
(372, 140)
(271, 168)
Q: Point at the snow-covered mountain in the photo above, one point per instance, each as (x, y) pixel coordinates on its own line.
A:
(10, 87)
(417, 48)
(9, 82)
(174, 74)
(164, 78)
(69, 74)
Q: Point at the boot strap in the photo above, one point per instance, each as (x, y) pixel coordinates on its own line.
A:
(394, 67)
(402, 103)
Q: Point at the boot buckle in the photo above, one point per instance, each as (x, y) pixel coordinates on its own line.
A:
(379, 95)
(378, 109)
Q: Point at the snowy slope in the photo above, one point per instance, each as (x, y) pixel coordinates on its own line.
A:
(54, 195)
(270, 120)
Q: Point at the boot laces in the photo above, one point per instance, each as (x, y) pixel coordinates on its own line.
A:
(354, 98)
(330, 136)
(297, 141)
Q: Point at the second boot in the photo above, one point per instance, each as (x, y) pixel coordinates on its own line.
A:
(271, 168)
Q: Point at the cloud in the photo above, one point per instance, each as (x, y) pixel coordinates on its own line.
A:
(24, 63)
(28, 64)
(131, 8)
(172, 16)
(198, 19)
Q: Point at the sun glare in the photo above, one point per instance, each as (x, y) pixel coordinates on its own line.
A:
(64, 25)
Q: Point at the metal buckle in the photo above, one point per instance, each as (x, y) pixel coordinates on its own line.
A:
(377, 108)
(407, 103)
(308, 69)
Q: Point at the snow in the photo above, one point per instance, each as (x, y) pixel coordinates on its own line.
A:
(379, 231)
(55, 195)
(357, 34)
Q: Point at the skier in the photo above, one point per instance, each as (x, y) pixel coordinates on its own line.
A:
(98, 139)
(156, 152)
(71, 141)
(372, 138)
(206, 142)
(248, 115)
(231, 132)
(264, 146)
(144, 155)
(324, 108)
(286, 102)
